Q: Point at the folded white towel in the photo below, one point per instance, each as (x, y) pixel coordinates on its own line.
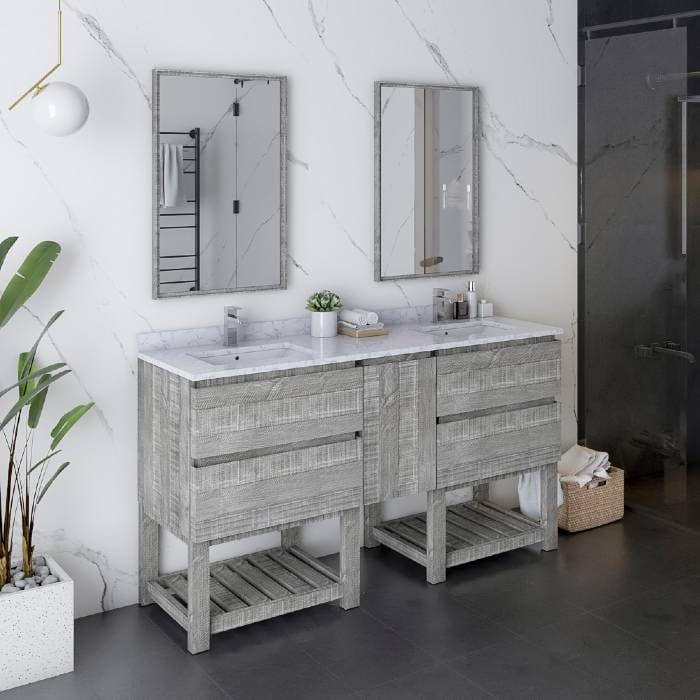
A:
(580, 465)
(357, 326)
(372, 316)
(578, 458)
(584, 478)
(355, 316)
(172, 189)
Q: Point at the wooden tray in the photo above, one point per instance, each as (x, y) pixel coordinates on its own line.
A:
(359, 333)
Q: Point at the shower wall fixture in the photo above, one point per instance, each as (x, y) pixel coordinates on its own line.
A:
(219, 202)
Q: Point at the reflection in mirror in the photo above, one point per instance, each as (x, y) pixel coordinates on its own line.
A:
(426, 188)
(219, 205)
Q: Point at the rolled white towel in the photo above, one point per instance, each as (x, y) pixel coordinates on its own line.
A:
(359, 318)
(372, 316)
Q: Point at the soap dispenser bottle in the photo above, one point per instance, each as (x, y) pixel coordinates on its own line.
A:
(472, 299)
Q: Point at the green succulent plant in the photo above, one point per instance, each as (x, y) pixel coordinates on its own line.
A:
(324, 300)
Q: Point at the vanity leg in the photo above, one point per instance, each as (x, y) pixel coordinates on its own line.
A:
(481, 492)
(549, 507)
(290, 537)
(198, 615)
(372, 516)
(350, 530)
(148, 554)
(436, 525)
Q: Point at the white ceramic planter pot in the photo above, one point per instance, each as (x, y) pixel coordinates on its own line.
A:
(36, 631)
(324, 324)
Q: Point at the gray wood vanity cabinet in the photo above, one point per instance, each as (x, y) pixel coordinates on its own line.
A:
(463, 417)
(224, 459)
(221, 459)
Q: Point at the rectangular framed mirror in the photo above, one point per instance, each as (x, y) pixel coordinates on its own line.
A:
(426, 167)
(219, 183)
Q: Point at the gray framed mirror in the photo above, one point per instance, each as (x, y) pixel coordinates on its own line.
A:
(426, 166)
(219, 182)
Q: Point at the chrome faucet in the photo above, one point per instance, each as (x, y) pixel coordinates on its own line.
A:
(232, 322)
(442, 306)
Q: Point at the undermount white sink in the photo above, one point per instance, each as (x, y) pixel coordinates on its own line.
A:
(459, 330)
(253, 355)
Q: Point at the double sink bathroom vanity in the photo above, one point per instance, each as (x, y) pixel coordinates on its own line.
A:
(270, 435)
(242, 438)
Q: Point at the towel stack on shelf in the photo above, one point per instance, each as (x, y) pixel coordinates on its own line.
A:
(359, 323)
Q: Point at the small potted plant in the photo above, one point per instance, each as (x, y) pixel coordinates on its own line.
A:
(36, 595)
(324, 306)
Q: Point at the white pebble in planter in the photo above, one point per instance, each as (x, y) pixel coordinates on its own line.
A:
(37, 629)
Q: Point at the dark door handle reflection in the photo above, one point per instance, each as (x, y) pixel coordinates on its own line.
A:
(668, 348)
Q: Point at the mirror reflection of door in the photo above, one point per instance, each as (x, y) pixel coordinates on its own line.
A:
(427, 165)
(220, 169)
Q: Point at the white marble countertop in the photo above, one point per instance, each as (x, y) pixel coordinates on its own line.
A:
(207, 360)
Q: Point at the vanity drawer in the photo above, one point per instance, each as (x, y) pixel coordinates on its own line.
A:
(484, 446)
(257, 415)
(245, 495)
(483, 379)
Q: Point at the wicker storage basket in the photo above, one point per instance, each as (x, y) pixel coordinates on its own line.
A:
(599, 503)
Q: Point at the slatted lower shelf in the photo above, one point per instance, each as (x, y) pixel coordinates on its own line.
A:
(474, 530)
(253, 587)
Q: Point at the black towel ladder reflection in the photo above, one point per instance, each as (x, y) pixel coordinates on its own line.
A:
(193, 134)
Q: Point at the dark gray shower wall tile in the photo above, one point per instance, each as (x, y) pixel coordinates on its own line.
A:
(614, 658)
(631, 235)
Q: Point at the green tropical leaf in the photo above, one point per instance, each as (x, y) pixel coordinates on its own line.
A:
(29, 359)
(5, 247)
(36, 405)
(26, 280)
(42, 461)
(28, 397)
(50, 481)
(24, 368)
(67, 421)
(34, 375)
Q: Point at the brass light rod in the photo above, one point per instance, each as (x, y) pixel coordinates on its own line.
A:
(38, 84)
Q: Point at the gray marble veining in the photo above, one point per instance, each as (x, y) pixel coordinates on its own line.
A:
(403, 338)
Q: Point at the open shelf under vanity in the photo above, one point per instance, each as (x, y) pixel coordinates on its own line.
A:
(253, 587)
(473, 530)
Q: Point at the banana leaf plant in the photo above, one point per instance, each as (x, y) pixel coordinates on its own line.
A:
(27, 481)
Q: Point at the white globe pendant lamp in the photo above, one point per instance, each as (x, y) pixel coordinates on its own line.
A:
(59, 108)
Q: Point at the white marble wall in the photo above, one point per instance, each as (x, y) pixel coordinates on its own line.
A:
(92, 191)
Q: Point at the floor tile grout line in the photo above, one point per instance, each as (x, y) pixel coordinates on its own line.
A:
(654, 645)
(563, 662)
(325, 669)
(398, 634)
(196, 660)
(575, 609)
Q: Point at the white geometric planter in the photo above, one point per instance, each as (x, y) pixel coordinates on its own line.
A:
(36, 631)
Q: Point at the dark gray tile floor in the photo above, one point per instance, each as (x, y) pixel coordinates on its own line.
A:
(615, 613)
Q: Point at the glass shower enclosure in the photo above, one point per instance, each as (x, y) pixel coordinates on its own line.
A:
(638, 290)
